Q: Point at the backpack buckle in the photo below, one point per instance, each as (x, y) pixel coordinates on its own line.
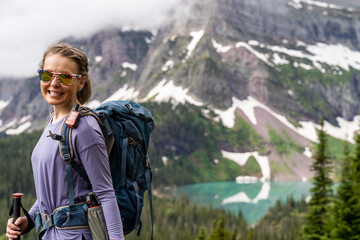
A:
(132, 142)
(147, 160)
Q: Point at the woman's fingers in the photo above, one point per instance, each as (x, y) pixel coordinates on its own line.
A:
(12, 231)
(13, 226)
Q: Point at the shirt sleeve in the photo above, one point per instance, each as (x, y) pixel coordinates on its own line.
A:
(31, 222)
(33, 210)
(93, 154)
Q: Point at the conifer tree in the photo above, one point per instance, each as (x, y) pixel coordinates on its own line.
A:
(343, 212)
(214, 234)
(354, 201)
(314, 228)
(221, 229)
(201, 235)
(233, 234)
(250, 235)
(218, 231)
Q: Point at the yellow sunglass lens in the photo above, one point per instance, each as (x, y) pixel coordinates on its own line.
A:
(46, 76)
(65, 78)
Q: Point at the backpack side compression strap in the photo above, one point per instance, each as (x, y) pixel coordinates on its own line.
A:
(148, 182)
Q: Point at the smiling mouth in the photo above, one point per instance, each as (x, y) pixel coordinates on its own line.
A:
(55, 94)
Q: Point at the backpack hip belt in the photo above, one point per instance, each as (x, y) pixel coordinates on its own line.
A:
(65, 217)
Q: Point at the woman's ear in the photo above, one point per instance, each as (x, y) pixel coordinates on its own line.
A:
(82, 83)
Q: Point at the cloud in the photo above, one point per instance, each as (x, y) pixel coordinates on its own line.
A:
(28, 27)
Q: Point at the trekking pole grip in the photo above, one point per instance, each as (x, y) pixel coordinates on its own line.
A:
(16, 206)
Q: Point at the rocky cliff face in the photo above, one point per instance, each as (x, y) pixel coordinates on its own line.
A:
(215, 76)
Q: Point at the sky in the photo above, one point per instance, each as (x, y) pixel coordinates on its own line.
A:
(27, 28)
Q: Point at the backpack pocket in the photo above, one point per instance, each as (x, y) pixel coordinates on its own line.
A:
(71, 217)
(97, 223)
(130, 203)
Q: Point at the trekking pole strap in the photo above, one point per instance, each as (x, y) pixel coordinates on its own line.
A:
(138, 222)
(31, 223)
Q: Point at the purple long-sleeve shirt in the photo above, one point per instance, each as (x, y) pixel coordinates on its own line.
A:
(51, 181)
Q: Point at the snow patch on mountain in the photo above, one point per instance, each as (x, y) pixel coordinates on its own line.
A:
(220, 48)
(345, 130)
(304, 66)
(298, 4)
(168, 65)
(3, 104)
(8, 125)
(307, 152)
(333, 55)
(25, 119)
(93, 104)
(338, 56)
(149, 40)
(16, 127)
(262, 56)
(279, 60)
(167, 91)
(196, 36)
(20, 129)
(131, 66)
(124, 93)
(241, 159)
(98, 59)
(165, 160)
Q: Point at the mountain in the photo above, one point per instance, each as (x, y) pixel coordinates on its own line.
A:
(249, 80)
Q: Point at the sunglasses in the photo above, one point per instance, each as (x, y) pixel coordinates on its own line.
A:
(64, 78)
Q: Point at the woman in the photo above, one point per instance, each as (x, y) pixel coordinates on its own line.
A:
(62, 91)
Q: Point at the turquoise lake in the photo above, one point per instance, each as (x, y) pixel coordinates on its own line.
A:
(252, 199)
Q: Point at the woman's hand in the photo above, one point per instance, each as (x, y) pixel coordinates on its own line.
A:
(13, 231)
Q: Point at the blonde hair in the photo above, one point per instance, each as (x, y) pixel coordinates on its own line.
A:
(67, 50)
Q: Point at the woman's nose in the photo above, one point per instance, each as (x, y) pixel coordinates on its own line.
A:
(55, 81)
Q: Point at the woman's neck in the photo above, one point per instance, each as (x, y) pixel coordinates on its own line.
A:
(60, 112)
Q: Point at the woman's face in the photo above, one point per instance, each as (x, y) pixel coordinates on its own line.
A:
(61, 96)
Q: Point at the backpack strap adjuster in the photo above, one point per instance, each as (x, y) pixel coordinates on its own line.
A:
(56, 137)
(132, 142)
(147, 164)
(67, 158)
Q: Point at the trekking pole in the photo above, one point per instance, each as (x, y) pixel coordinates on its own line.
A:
(16, 207)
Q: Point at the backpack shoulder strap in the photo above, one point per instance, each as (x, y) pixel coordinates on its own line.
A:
(104, 124)
(67, 151)
(50, 116)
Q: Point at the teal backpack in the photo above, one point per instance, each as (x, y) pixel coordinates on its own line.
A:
(126, 127)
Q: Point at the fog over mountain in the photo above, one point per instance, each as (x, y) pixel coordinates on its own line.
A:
(27, 28)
